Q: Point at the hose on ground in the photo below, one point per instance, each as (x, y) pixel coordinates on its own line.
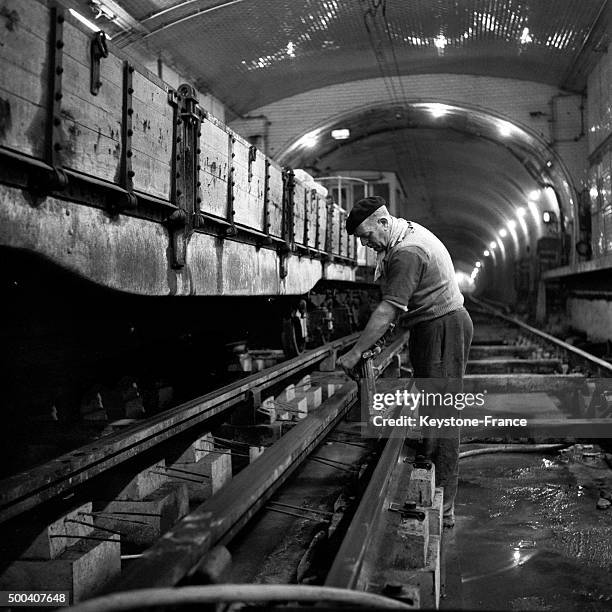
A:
(229, 593)
(511, 448)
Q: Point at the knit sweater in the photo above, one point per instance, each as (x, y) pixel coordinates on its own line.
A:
(419, 277)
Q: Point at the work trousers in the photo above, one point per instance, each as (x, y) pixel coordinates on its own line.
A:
(439, 351)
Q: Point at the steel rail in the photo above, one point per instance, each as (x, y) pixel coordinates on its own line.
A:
(28, 489)
(346, 569)
(221, 517)
(596, 361)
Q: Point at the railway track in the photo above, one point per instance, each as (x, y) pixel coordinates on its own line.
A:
(321, 504)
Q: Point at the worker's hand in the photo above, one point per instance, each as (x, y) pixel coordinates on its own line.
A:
(349, 360)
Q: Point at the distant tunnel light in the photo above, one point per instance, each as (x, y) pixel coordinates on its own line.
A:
(503, 233)
(511, 224)
(526, 36)
(486, 253)
(440, 42)
(341, 134)
(478, 264)
(521, 211)
(89, 24)
(492, 245)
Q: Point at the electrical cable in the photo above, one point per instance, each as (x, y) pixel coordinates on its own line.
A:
(223, 593)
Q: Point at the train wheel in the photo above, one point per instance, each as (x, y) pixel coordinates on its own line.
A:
(292, 338)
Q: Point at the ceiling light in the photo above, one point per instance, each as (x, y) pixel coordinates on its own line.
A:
(309, 140)
(526, 37)
(89, 24)
(478, 264)
(511, 224)
(440, 42)
(503, 233)
(486, 253)
(521, 211)
(505, 129)
(341, 134)
(492, 245)
(593, 192)
(437, 110)
(533, 195)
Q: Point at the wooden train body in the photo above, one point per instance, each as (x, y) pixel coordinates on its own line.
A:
(110, 173)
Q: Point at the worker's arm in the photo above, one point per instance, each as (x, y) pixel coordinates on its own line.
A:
(384, 314)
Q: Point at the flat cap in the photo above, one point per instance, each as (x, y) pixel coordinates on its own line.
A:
(361, 210)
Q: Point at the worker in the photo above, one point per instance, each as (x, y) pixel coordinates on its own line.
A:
(418, 282)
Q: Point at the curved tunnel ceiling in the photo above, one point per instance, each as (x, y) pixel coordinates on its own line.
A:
(465, 173)
(251, 52)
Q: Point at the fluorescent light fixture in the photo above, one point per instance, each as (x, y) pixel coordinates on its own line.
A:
(486, 253)
(88, 24)
(511, 224)
(521, 211)
(505, 128)
(309, 140)
(341, 134)
(440, 42)
(437, 109)
(492, 245)
(526, 36)
(503, 233)
(478, 264)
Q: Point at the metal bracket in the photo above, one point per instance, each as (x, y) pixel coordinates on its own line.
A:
(252, 159)
(408, 511)
(186, 167)
(55, 179)
(98, 51)
(129, 199)
(266, 203)
(288, 223)
(231, 230)
(315, 197)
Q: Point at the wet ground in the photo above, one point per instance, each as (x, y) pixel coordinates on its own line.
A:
(528, 535)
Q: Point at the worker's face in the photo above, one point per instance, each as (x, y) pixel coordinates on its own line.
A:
(374, 234)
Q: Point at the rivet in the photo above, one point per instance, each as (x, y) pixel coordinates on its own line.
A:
(178, 156)
(130, 90)
(60, 19)
(98, 84)
(57, 121)
(129, 153)
(130, 69)
(59, 95)
(59, 70)
(178, 175)
(59, 44)
(130, 111)
(179, 121)
(199, 134)
(130, 132)
(178, 192)
(199, 200)
(198, 184)
(199, 167)
(198, 151)
(131, 173)
(178, 139)
(57, 146)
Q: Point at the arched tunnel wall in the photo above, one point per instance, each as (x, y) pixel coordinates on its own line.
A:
(543, 108)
